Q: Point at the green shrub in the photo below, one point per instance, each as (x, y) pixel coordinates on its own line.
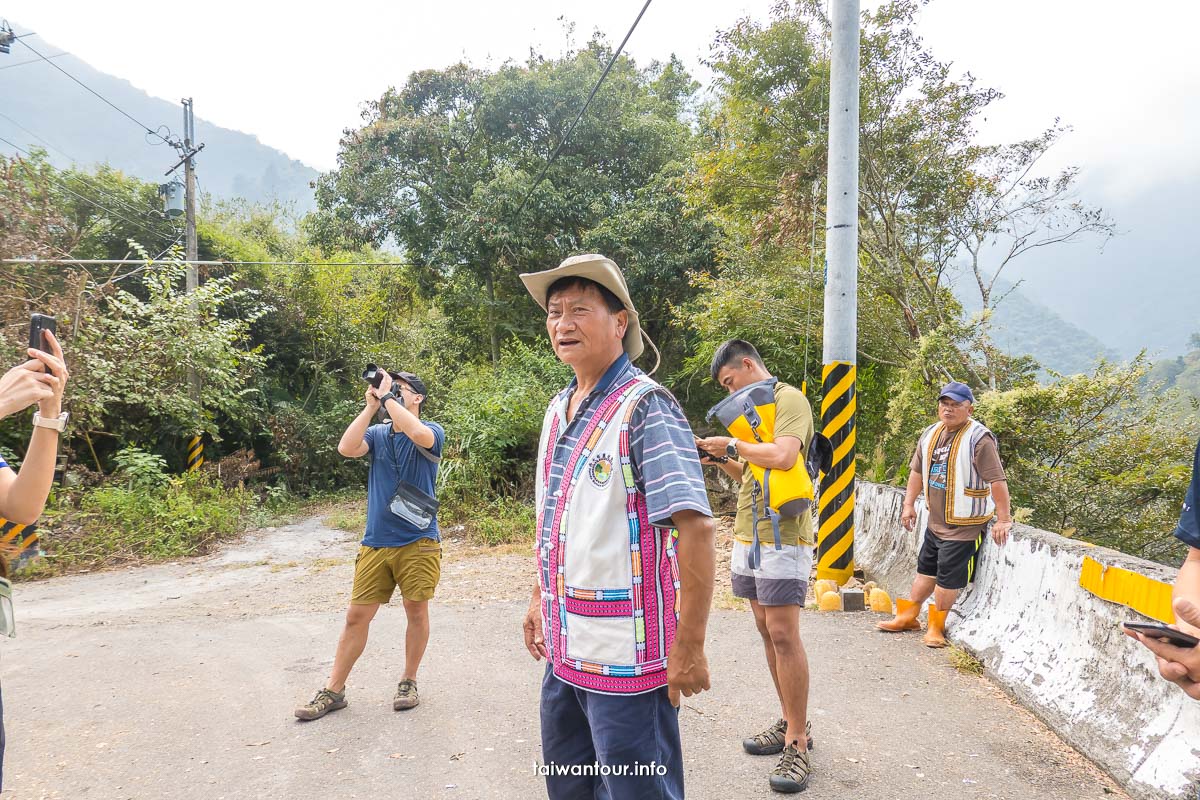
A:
(504, 520)
(493, 418)
(114, 524)
(1097, 457)
(142, 470)
(304, 444)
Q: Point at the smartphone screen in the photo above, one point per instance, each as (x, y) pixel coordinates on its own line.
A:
(38, 324)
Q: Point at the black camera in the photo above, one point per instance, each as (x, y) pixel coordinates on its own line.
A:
(373, 375)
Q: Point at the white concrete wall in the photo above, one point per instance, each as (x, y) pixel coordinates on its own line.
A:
(1054, 646)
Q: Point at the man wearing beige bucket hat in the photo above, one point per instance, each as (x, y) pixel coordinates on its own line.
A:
(624, 551)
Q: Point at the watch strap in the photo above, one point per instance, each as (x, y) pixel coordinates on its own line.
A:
(58, 423)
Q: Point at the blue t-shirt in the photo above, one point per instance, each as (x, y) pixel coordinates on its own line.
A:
(1188, 531)
(394, 457)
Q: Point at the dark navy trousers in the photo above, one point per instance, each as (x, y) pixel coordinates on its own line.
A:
(622, 747)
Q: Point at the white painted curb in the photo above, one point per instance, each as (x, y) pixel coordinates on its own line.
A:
(1057, 648)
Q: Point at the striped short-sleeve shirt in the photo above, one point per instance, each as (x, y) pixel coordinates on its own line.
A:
(666, 467)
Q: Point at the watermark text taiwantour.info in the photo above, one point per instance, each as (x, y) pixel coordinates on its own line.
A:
(597, 770)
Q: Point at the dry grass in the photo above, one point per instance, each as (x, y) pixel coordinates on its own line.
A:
(347, 515)
(963, 661)
(724, 600)
(322, 564)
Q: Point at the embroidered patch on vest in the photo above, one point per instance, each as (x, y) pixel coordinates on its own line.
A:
(601, 470)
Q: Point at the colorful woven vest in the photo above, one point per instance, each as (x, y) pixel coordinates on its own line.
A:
(609, 579)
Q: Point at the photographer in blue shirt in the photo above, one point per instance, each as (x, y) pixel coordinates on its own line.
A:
(401, 546)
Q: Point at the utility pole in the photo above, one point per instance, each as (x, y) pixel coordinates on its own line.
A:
(835, 539)
(195, 451)
(189, 173)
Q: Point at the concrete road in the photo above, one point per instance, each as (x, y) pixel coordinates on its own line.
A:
(178, 681)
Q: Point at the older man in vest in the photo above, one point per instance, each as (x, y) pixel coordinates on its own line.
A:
(957, 465)
(624, 551)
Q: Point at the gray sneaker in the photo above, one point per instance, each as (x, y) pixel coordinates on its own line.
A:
(406, 695)
(792, 773)
(770, 741)
(322, 704)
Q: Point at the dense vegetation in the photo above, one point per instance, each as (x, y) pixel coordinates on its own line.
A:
(714, 209)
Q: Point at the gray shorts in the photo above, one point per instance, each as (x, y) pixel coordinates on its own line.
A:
(780, 580)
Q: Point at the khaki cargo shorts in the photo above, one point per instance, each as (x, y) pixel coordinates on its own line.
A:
(415, 568)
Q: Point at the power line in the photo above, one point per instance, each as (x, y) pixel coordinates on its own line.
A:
(62, 185)
(588, 102)
(85, 179)
(108, 102)
(19, 126)
(32, 61)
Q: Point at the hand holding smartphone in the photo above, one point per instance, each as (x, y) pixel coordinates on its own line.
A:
(38, 325)
(1163, 634)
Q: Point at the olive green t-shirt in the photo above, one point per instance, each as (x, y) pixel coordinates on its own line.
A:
(793, 417)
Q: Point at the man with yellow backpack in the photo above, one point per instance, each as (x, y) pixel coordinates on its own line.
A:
(773, 536)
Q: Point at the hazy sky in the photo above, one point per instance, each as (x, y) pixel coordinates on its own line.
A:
(295, 74)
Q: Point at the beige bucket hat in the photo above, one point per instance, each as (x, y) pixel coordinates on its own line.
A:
(602, 270)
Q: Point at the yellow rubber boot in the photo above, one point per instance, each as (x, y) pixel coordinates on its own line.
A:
(905, 619)
(935, 635)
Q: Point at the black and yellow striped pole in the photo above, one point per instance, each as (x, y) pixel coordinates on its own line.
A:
(835, 536)
(19, 540)
(195, 450)
(195, 454)
(835, 533)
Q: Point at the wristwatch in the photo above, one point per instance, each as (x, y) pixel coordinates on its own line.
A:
(389, 396)
(731, 448)
(59, 423)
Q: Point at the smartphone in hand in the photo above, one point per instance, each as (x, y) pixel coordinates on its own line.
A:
(38, 325)
(1164, 634)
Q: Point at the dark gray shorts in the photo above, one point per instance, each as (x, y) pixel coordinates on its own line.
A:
(780, 580)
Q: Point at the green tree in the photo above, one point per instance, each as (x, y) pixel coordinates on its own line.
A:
(443, 167)
(132, 357)
(1097, 457)
(933, 202)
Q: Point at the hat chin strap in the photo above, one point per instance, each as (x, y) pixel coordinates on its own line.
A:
(657, 355)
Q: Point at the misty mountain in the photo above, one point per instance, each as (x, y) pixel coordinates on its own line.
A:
(1022, 326)
(42, 108)
(1141, 291)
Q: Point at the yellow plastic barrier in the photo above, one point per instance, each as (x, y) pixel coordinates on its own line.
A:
(1146, 595)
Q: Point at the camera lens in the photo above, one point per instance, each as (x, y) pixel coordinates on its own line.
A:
(373, 375)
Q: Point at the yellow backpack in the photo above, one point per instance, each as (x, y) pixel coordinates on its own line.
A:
(749, 415)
